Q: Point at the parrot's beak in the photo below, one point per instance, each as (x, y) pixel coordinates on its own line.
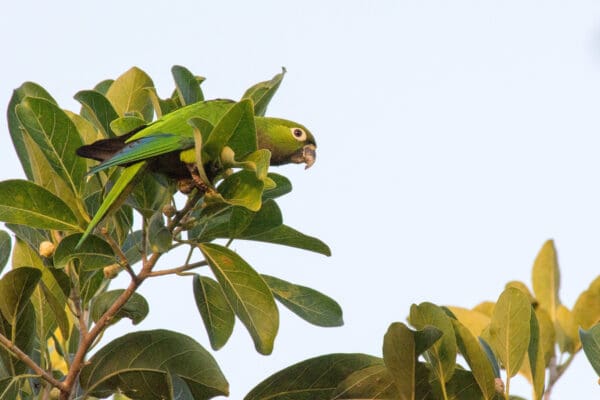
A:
(309, 155)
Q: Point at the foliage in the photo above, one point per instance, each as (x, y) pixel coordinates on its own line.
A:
(460, 353)
(56, 301)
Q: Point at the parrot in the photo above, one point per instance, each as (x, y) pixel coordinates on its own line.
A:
(163, 146)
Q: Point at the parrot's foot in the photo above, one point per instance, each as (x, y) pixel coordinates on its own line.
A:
(186, 185)
(198, 182)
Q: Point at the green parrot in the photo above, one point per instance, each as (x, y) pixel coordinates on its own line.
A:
(166, 146)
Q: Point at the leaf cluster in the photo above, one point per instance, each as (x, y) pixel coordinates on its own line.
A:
(461, 353)
(56, 301)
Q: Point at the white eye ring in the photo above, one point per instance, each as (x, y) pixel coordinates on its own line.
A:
(298, 134)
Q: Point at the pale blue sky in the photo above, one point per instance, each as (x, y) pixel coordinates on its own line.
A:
(454, 139)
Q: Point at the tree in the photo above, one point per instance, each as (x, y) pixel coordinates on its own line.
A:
(56, 301)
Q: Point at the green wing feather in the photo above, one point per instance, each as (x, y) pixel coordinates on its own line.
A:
(145, 148)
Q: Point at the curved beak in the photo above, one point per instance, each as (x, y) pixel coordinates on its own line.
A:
(309, 155)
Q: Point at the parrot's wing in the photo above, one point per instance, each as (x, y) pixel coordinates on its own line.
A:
(117, 195)
(146, 148)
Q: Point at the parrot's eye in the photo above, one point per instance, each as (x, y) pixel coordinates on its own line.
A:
(299, 134)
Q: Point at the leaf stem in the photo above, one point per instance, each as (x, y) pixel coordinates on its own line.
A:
(177, 270)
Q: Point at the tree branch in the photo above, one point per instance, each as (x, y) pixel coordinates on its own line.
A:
(177, 270)
(19, 354)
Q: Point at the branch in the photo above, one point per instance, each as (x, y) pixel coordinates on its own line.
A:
(177, 270)
(18, 353)
(136, 280)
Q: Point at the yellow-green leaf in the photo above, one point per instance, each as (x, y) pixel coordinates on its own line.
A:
(510, 329)
(129, 94)
(546, 279)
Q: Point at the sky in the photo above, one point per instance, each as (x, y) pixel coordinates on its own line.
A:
(454, 139)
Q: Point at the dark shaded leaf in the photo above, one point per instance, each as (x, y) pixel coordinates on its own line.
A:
(93, 253)
(248, 294)
(159, 237)
(136, 308)
(16, 287)
(312, 379)
(139, 364)
(23, 336)
(461, 386)
(23, 202)
(309, 304)
(188, 85)
(284, 186)
(374, 382)
(590, 340)
(287, 236)
(5, 245)
(214, 309)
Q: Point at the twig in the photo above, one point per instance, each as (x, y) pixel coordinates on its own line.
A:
(177, 270)
(119, 252)
(18, 353)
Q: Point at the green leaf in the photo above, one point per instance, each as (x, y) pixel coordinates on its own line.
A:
(129, 94)
(16, 288)
(127, 124)
(214, 309)
(57, 137)
(286, 236)
(150, 194)
(188, 85)
(509, 329)
(242, 188)
(136, 308)
(33, 237)
(309, 304)
(590, 340)
(374, 382)
(262, 93)
(132, 247)
(566, 331)
(57, 308)
(159, 237)
(475, 355)
(283, 186)
(462, 386)
(235, 129)
(5, 245)
(27, 89)
(247, 292)
(546, 279)
(586, 310)
(23, 202)
(22, 334)
(92, 254)
(535, 366)
(400, 357)
(139, 364)
(99, 110)
(442, 355)
(315, 378)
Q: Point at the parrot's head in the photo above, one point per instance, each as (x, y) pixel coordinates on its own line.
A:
(288, 141)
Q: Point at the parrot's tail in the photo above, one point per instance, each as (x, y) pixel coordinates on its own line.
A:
(104, 149)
